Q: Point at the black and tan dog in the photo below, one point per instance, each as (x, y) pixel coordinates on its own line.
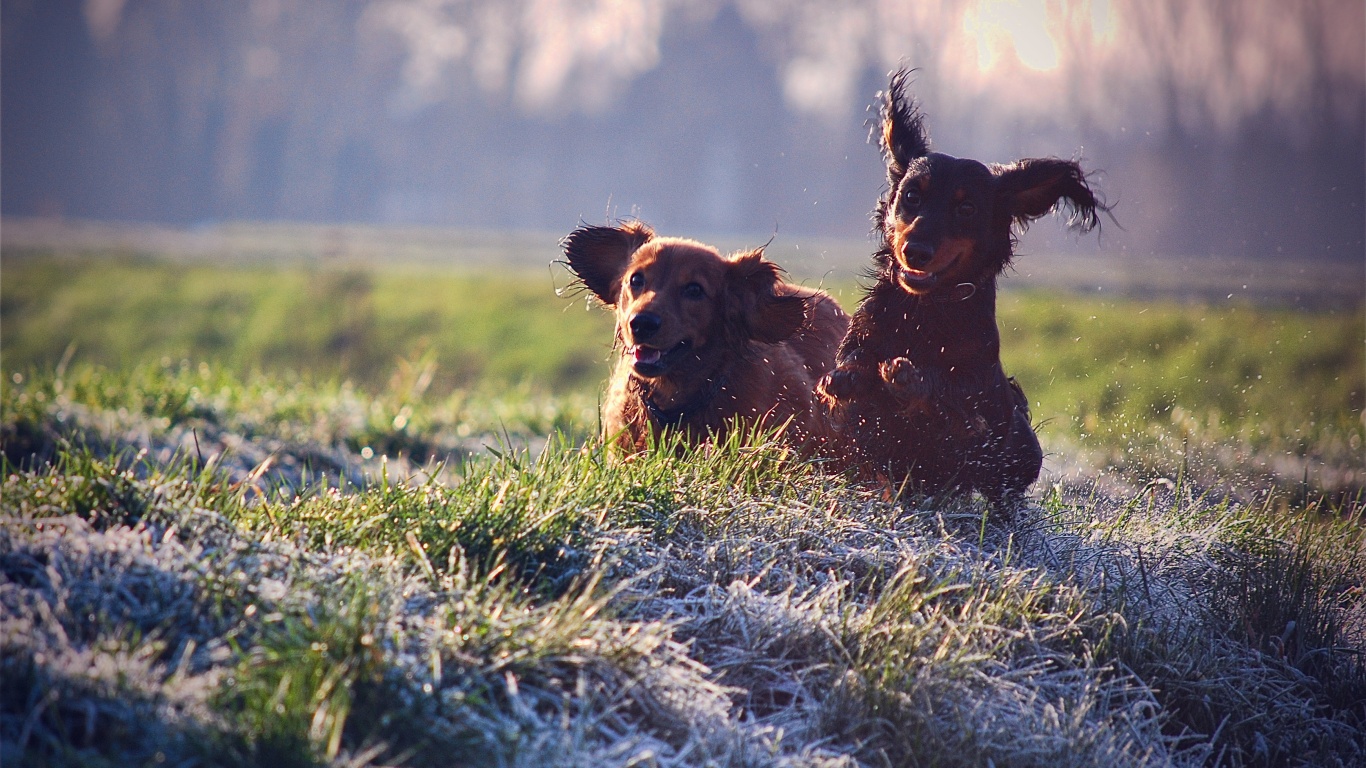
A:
(707, 341)
(918, 395)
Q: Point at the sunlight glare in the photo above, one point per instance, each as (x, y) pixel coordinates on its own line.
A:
(1021, 25)
(1104, 25)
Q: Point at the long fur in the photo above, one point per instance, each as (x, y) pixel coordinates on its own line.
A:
(918, 396)
(705, 342)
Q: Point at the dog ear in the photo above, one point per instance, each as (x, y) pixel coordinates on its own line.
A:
(904, 137)
(598, 256)
(1031, 188)
(757, 309)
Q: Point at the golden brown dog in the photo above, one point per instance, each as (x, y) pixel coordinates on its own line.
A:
(706, 339)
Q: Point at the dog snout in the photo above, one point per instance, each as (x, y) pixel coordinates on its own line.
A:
(644, 325)
(917, 255)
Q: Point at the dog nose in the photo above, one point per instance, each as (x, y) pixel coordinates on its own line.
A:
(644, 325)
(917, 254)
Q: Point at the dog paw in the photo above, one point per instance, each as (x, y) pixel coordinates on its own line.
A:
(903, 379)
(842, 384)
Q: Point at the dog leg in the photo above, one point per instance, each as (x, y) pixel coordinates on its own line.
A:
(1010, 464)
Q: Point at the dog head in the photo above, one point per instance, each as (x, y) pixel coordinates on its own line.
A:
(946, 220)
(681, 305)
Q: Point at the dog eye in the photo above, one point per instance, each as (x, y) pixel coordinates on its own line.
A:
(966, 209)
(693, 291)
(911, 198)
(637, 281)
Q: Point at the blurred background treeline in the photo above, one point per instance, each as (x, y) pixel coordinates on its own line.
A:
(1222, 127)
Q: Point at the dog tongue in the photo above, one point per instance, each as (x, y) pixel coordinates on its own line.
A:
(647, 355)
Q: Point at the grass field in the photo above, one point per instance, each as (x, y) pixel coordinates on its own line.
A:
(313, 514)
(1256, 396)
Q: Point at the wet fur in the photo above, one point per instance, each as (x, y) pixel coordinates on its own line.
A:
(749, 346)
(918, 397)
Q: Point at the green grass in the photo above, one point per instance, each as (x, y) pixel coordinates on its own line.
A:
(1250, 394)
(1244, 396)
(335, 323)
(1241, 368)
(302, 432)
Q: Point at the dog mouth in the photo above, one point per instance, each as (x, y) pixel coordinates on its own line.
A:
(920, 280)
(652, 361)
(922, 267)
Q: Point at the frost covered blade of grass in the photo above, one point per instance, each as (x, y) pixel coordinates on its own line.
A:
(286, 655)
